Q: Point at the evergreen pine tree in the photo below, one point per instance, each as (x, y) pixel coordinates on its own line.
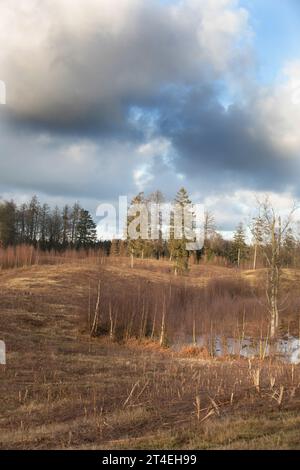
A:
(8, 228)
(86, 230)
(289, 248)
(239, 247)
(177, 245)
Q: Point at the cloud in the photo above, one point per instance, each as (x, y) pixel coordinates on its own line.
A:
(255, 145)
(114, 97)
(278, 109)
(73, 65)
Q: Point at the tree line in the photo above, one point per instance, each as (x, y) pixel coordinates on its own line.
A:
(245, 248)
(48, 228)
(73, 227)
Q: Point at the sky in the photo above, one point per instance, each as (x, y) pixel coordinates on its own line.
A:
(113, 97)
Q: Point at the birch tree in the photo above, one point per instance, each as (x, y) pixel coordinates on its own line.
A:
(273, 231)
(209, 229)
(257, 235)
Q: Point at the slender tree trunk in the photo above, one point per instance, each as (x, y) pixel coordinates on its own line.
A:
(194, 332)
(163, 324)
(97, 314)
(111, 330)
(274, 281)
(255, 257)
(131, 260)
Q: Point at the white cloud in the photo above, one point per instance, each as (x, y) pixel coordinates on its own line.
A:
(278, 111)
(218, 25)
(241, 206)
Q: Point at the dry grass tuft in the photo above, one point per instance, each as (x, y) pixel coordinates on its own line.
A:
(195, 352)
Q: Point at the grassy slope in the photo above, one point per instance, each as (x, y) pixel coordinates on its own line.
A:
(61, 390)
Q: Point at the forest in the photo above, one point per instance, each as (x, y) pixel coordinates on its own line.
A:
(59, 229)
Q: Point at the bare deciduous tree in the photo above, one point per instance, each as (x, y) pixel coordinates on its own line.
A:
(272, 232)
(257, 234)
(209, 229)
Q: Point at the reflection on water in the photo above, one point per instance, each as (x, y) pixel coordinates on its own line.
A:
(287, 349)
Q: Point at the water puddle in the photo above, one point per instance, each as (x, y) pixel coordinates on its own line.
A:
(287, 349)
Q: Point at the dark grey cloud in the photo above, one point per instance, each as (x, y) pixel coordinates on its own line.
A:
(224, 146)
(84, 72)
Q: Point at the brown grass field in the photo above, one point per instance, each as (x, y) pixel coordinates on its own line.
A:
(62, 389)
